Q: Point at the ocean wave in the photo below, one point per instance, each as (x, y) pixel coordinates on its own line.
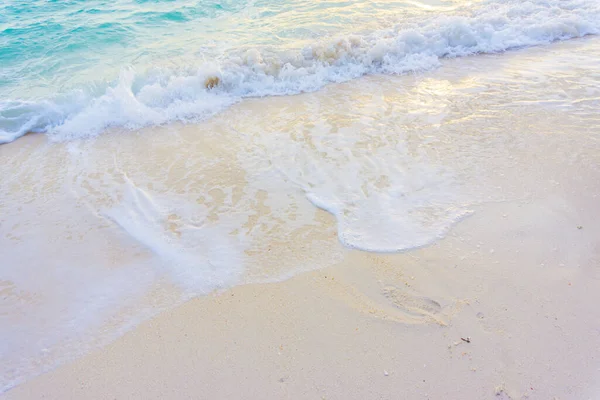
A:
(193, 93)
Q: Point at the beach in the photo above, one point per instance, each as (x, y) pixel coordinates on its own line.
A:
(429, 235)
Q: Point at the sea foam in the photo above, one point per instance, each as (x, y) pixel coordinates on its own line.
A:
(161, 95)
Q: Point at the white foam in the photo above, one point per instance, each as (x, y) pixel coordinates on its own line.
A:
(199, 257)
(386, 198)
(403, 217)
(139, 99)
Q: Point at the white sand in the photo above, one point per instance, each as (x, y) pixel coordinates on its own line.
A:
(520, 278)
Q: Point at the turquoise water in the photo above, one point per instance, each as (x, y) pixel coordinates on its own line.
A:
(75, 68)
(54, 45)
(45, 44)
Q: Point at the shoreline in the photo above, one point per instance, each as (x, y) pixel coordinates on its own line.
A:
(518, 280)
(211, 81)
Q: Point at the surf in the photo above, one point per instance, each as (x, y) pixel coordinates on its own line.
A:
(204, 87)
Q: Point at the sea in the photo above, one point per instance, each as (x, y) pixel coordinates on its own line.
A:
(152, 151)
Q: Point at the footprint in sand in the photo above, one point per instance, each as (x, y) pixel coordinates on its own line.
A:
(392, 303)
(415, 307)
